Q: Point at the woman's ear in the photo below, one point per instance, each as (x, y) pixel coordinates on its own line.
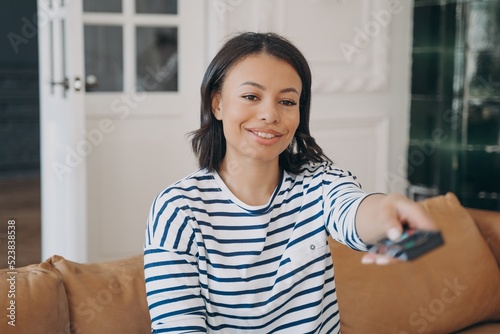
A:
(216, 106)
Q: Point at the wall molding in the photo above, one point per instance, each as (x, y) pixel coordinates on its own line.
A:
(359, 144)
(348, 60)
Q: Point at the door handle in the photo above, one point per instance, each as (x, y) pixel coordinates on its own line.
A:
(91, 83)
(64, 83)
(77, 84)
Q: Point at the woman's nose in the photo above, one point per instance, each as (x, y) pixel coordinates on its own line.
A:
(269, 113)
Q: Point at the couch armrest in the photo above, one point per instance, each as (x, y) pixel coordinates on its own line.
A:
(488, 223)
(33, 300)
(482, 328)
(106, 297)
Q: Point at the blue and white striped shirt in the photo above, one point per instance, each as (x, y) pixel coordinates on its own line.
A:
(216, 264)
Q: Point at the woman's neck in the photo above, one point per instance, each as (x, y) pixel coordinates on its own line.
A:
(252, 184)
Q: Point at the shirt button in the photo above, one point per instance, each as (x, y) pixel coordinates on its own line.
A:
(313, 247)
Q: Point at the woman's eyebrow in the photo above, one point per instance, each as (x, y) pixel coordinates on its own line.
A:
(290, 90)
(259, 86)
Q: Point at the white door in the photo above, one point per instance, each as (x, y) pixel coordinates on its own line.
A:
(144, 62)
(62, 122)
(141, 63)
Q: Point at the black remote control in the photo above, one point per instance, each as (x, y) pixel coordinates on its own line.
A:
(411, 244)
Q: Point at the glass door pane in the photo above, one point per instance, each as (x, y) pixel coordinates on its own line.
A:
(157, 68)
(156, 6)
(108, 6)
(104, 58)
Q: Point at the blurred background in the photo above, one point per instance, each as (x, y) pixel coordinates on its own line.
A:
(19, 135)
(455, 94)
(96, 98)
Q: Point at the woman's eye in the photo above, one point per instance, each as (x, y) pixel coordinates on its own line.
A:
(250, 97)
(288, 103)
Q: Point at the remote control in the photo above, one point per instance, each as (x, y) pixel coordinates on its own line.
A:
(411, 244)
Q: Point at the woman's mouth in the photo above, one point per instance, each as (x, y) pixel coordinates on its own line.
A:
(265, 135)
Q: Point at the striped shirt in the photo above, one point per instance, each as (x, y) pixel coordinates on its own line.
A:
(215, 264)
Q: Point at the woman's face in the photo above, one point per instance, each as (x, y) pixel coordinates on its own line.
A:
(259, 108)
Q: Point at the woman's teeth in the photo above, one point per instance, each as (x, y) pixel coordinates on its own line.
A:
(265, 135)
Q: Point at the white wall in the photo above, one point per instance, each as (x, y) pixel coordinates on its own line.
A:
(359, 52)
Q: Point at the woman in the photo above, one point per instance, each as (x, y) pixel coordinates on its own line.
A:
(241, 244)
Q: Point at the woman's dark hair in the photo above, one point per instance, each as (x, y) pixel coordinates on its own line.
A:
(209, 143)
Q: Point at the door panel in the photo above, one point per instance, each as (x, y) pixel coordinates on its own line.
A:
(62, 121)
(357, 144)
(140, 132)
(116, 103)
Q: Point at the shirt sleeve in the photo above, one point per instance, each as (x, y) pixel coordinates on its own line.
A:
(342, 195)
(171, 270)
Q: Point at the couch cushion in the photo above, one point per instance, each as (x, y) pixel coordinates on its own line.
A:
(443, 291)
(33, 288)
(108, 297)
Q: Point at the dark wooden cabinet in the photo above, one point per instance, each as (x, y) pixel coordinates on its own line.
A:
(455, 102)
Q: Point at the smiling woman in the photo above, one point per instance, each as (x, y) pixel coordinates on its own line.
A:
(236, 50)
(241, 244)
(260, 115)
(259, 119)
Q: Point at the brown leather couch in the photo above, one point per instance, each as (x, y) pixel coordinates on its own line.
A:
(453, 289)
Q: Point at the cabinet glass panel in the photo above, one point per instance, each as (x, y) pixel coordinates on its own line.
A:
(423, 118)
(157, 66)
(484, 74)
(432, 119)
(478, 172)
(426, 23)
(447, 73)
(483, 128)
(108, 6)
(422, 164)
(425, 73)
(458, 75)
(450, 22)
(483, 30)
(156, 6)
(103, 58)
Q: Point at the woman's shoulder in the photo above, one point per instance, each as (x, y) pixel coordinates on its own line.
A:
(198, 181)
(314, 169)
(198, 177)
